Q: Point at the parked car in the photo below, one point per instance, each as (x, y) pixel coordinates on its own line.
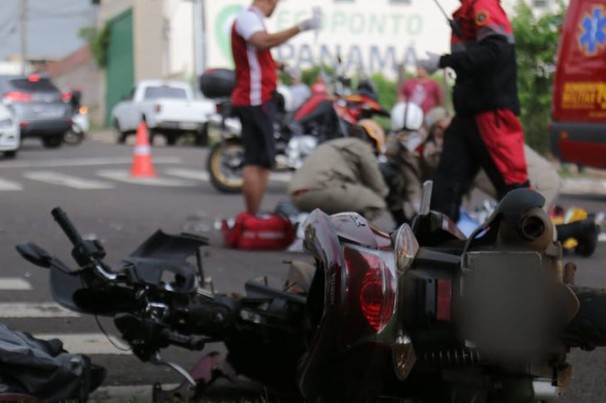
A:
(39, 107)
(168, 108)
(10, 138)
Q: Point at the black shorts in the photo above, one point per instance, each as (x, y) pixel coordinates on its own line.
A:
(258, 133)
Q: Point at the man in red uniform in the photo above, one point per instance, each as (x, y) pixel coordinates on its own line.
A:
(252, 97)
(485, 131)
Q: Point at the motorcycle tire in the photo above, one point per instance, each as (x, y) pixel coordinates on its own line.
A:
(224, 166)
(587, 329)
(52, 141)
(73, 138)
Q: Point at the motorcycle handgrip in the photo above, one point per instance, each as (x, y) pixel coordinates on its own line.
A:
(66, 225)
(181, 340)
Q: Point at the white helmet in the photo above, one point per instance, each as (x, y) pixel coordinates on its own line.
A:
(406, 116)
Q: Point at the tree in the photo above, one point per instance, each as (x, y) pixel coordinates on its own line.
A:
(537, 40)
(98, 41)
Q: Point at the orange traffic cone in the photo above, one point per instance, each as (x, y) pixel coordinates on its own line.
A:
(142, 161)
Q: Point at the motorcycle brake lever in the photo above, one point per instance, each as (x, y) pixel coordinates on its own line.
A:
(157, 359)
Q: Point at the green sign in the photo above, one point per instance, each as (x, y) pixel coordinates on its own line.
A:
(223, 24)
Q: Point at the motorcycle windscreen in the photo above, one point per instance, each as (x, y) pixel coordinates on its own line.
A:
(169, 247)
(162, 259)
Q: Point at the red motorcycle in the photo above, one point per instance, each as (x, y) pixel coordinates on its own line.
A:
(322, 116)
(422, 314)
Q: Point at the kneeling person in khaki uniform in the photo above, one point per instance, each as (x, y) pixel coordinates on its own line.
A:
(343, 175)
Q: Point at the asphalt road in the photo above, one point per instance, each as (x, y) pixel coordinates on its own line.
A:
(88, 182)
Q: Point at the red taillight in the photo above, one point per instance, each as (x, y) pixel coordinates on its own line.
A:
(376, 309)
(218, 107)
(444, 300)
(158, 108)
(66, 96)
(371, 293)
(23, 124)
(16, 96)
(33, 78)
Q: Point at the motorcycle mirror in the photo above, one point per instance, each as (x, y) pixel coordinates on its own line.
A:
(34, 254)
(39, 257)
(426, 197)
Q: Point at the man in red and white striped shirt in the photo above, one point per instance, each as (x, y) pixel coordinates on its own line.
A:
(252, 97)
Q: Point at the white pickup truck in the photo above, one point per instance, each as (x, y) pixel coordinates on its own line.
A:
(168, 108)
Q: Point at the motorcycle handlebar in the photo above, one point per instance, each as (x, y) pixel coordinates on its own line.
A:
(84, 252)
(181, 340)
(66, 225)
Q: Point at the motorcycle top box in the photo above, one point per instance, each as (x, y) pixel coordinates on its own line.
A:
(217, 83)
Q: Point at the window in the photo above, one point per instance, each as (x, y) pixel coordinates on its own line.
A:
(539, 3)
(164, 92)
(400, 1)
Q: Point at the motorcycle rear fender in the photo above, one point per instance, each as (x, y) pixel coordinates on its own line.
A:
(330, 364)
(354, 228)
(322, 241)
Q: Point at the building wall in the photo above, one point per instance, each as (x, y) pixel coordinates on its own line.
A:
(378, 35)
(179, 15)
(148, 37)
(79, 70)
(111, 8)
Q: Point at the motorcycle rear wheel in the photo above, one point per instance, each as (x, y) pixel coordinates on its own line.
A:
(224, 165)
(73, 138)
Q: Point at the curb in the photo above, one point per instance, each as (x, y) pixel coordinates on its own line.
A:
(576, 186)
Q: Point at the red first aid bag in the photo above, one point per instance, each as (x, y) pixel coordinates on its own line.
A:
(262, 231)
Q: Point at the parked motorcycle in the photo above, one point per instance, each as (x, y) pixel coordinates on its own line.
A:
(423, 314)
(80, 120)
(297, 133)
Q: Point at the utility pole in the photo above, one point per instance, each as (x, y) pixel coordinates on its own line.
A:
(199, 38)
(23, 23)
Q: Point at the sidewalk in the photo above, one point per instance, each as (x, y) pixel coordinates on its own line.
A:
(589, 181)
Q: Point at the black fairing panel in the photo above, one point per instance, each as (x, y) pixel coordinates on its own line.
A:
(163, 254)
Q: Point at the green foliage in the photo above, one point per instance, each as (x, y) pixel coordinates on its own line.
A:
(536, 46)
(98, 41)
(309, 76)
(386, 89)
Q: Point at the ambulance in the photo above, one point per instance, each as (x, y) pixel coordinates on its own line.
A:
(578, 125)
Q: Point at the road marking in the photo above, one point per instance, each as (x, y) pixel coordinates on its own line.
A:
(34, 310)
(280, 177)
(9, 185)
(124, 176)
(89, 343)
(81, 162)
(14, 284)
(196, 174)
(56, 178)
(126, 393)
(201, 175)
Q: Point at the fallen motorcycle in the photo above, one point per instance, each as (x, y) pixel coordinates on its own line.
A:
(424, 314)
